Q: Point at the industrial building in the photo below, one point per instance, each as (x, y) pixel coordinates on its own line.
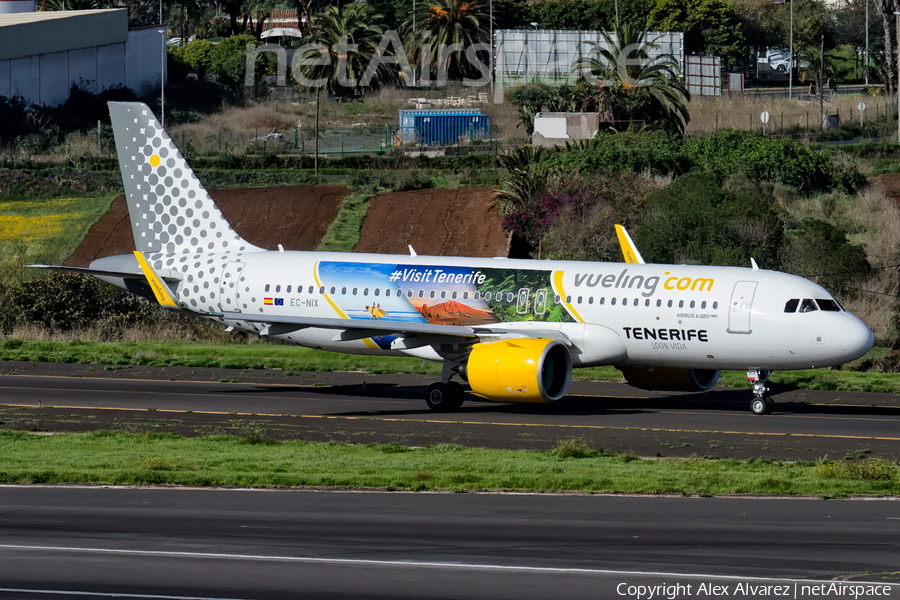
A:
(43, 53)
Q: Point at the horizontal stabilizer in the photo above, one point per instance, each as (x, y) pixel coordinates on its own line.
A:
(98, 272)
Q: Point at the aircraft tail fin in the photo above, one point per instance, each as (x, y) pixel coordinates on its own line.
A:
(629, 250)
(170, 209)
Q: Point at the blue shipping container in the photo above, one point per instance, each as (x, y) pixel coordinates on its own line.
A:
(443, 126)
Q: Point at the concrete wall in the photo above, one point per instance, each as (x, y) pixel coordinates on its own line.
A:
(45, 79)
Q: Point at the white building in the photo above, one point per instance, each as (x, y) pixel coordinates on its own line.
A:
(43, 53)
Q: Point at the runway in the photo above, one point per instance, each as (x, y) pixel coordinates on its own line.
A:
(807, 425)
(87, 542)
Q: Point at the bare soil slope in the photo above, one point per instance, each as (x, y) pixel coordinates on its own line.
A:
(890, 183)
(450, 222)
(294, 216)
(462, 222)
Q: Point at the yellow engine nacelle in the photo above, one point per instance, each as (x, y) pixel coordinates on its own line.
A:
(671, 379)
(519, 370)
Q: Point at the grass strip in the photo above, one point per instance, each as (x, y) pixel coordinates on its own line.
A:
(343, 233)
(107, 457)
(296, 358)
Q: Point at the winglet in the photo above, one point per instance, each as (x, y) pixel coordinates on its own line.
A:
(753, 264)
(412, 251)
(629, 250)
(160, 290)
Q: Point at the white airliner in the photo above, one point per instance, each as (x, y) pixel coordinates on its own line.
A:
(513, 329)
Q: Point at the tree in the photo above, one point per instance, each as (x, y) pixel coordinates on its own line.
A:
(710, 27)
(343, 40)
(629, 86)
(444, 34)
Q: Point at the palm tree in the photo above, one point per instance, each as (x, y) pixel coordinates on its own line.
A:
(349, 35)
(442, 31)
(632, 86)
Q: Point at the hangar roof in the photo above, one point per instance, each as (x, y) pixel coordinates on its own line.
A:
(34, 33)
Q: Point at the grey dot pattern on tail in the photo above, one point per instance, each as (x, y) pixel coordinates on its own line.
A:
(170, 209)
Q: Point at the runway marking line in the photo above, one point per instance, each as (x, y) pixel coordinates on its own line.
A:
(405, 563)
(108, 594)
(502, 424)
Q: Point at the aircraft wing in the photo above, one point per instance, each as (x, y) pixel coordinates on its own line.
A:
(354, 329)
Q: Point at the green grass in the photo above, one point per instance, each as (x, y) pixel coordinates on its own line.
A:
(343, 233)
(233, 356)
(140, 459)
(296, 358)
(35, 230)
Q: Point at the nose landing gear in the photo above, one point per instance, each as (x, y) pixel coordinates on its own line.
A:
(761, 404)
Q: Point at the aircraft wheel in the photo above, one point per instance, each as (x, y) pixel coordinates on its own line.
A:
(460, 392)
(761, 406)
(442, 397)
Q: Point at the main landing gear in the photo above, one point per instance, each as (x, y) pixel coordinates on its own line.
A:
(761, 404)
(446, 395)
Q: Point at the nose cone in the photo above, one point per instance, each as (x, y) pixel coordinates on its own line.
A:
(856, 339)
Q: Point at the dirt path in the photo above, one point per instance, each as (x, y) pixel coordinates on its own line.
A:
(462, 222)
(294, 216)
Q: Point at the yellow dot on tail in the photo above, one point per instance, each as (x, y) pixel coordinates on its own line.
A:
(154, 161)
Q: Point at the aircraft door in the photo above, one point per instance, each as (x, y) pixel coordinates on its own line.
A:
(229, 289)
(739, 309)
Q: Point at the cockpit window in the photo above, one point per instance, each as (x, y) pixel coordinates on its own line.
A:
(791, 305)
(808, 305)
(828, 304)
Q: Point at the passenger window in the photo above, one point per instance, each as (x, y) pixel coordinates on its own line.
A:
(343, 291)
(377, 291)
(808, 305)
(647, 302)
(602, 299)
(681, 304)
(509, 297)
(637, 301)
(715, 305)
(332, 289)
(612, 301)
(568, 299)
(579, 299)
(555, 298)
(590, 300)
(277, 288)
(387, 292)
(477, 296)
(312, 289)
(692, 304)
(288, 289)
(658, 303)
(791, 305)
(268, 287)
(431, 294)
(322, 289)
(828, 304)
(365, 291)
(421, 293)
(454, 295)
(465, 295)
(670, 304)
(355, 291)
(443, 294)
(703, 304)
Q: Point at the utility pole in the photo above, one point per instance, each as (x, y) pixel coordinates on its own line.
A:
(896, 87)
(316, 158)
(791, 59)
(821, 83)
(867, 42)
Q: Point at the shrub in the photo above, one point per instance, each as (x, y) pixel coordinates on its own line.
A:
(696, 220)
(765, 158)
(870, 469)
(574, 448)
(654, 152)
(820, 251)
